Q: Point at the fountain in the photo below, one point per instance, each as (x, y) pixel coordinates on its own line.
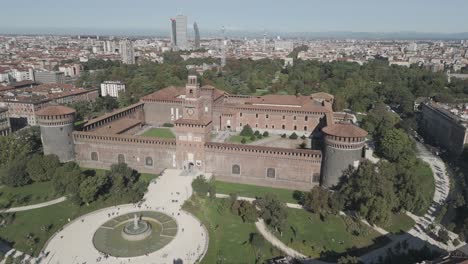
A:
(136, 230)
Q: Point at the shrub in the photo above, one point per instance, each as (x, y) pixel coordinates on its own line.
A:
(303, 145)
(168, 125)
(260, 136)
(201, 186)
(303, 137)
(293, 136)
(283, 135)
(265, 134)
(243, 141)
(246, 131)
(257, 133)
(252, 138)
(443, 235)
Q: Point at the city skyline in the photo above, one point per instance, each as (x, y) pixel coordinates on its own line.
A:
(304, 16)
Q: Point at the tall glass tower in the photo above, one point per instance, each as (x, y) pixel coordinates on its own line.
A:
(181, 32)
(197, 35)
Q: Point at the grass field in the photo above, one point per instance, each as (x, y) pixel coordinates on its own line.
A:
(254, 191)
(399, 223)
(159, 133)
(55, 216)
(326, 239)
(229, 236)
(25, 195)
(238, 139)
(426, 183)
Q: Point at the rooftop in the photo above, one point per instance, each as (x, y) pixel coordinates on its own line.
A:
(117, 127)
(344, 130)
(55, 110)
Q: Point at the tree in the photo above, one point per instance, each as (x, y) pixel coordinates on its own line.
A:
(14, 174)
(316, 200)
(265, 134)
(273, 211)
(247, 211)
(395, 145)
(293, 136)
(257, 242)
(201, 186)
(91, 187)
(67, 180)
(42, 168)
(247, 131)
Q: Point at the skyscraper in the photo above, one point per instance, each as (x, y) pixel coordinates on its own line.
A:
(173, 33)
(126, 51)
(181, 32)
(197, 35)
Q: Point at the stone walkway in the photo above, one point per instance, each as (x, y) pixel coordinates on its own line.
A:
(74, 243)
(34, 206)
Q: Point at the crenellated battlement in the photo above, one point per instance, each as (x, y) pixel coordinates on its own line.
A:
(125, 139)
(313, 155)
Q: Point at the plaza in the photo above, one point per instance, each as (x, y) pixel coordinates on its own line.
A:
(74, 243)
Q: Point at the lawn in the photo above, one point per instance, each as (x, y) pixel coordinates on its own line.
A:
(33, 193)
(229, 236)
(327, 239)
(399, 223)
(159, 133)
(254, 191)
(35, 221)
(426, 183)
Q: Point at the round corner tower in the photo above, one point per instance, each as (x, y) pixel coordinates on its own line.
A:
(344, 143)
(57, 124)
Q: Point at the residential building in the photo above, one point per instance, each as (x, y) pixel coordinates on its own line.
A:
(5, 128)
(49, 77)
(112, 88)
(197, 35)
(127, 51)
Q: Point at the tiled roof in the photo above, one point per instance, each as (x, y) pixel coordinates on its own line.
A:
(55, 110)
(344, 130)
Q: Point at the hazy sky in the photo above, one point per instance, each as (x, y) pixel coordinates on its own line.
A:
(286, 15)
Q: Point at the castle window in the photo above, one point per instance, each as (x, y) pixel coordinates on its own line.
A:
(272, 126)
(121, 158)
(305, 128)
(282, 126)
(284, 117)
(295, 127)
(94, 156)
(149, 161)
(271, 173)
(256, 125)
(266, 126)
(306, 118)
(256, 115)
(240, 114)
(240, 124)
(235, 169)
(316, 177)
(294, 117)
(191, 91)
(267, 116)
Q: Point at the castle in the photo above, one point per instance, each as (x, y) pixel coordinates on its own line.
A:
(198, 112)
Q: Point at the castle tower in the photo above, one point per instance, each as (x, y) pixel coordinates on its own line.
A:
(57, 125)
(193, 130)
(344, 143)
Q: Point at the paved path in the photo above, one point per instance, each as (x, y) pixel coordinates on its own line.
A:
(74, 243)
(262, 228)
(34, 206)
